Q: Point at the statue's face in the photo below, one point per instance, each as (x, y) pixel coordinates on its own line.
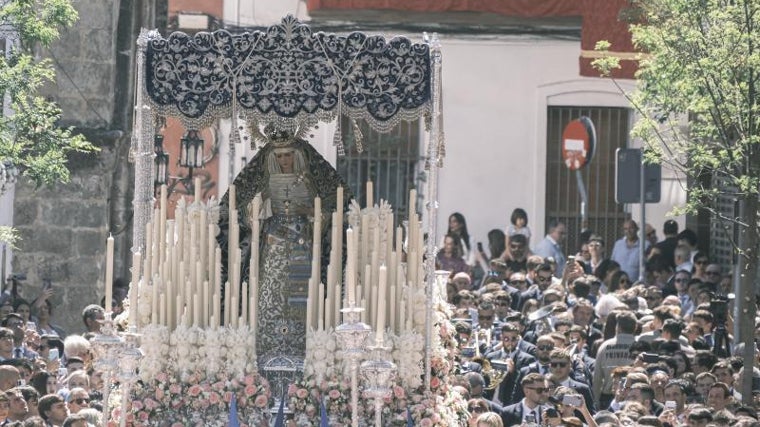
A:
(285, 160)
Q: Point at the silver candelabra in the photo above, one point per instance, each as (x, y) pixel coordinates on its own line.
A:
(379, 373)
(107, 347)
(351, 335)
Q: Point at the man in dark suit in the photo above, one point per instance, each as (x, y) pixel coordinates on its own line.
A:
(668, 245)
(514, 358)
(529, 409)
(560, 366)
(544, 347)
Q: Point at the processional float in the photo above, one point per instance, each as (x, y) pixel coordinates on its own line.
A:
(198, 335)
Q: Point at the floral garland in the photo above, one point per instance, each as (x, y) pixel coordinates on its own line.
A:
(200, 400)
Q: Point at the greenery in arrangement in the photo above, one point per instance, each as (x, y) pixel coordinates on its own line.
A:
(697, 100)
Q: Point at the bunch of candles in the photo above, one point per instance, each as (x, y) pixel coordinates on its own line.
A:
(183, 261)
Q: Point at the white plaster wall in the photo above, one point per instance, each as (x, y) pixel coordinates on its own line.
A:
(495, 94)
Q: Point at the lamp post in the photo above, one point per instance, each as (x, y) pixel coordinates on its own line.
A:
(191, 156)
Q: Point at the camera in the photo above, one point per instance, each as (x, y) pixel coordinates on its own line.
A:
(719, 309)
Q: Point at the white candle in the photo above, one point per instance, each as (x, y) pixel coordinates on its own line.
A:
(109, 274)
(205, 304)
(133, 290)
(254, 298)
(179, 309)
(350, 284)
(154, 307)
(337, 219)
(232, 199)
(196, 310)
(365, 314)
(211, 261)
(255, 236)
(310, 303)
(370, 195)
(393, 312)
(162, 310)
(215, 318)
(147, 270)
(233, 311)
(337, 304)
(381, 302)
(321, 308)
(162, 222)
(227, 303)
(197, 188)
(244, 304)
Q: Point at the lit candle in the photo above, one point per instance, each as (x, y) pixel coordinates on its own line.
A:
(109, 274)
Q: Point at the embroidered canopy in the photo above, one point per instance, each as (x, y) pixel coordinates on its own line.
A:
(288, 72)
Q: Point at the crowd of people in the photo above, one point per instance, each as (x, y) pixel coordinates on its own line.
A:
(553, 336)
(47, 378)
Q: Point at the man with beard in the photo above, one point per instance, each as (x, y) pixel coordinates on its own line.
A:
(516, 256)
(514, 358)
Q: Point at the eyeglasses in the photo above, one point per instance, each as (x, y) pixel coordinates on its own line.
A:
(539, 390)
(476, 409)
(516, 282)
(81, 401)
(651, 233)
(545, 347)
(701, 261)
(558, 364)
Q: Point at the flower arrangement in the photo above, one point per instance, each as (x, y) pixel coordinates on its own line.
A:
(334, 392)
(200, 400)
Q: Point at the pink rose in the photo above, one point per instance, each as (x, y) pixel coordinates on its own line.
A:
(177, 425)
(436, 418)
(137, 405)
(435, 382)
(150, 404)
(292, 389)
(249, 390)
(159, 394)
(398, 392)
(175, 389)
(249, 380)
(194, 390)
(302, 393)
(261, 401)
(334, 394)
(214, 398)
(143, 416)
(219, 385)
(425, 422)
(228, 396)
(162, 377)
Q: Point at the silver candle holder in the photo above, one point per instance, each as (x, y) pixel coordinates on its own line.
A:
(107, 347)
(379, 373)
(351, 335)
(129, 361)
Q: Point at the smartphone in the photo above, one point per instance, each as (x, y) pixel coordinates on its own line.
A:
(670, 404)
(650, 358)
(62, 372)
(31, 326)
(53, 354)
(480, 246)
(572, 400)
(46, 284)
(571, 259)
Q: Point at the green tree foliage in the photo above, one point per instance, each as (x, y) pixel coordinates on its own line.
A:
(697, 98)
(30, 138)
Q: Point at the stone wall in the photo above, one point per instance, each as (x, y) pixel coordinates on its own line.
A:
(64, 228)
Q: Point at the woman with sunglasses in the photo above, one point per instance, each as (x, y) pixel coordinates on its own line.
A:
(476, 407)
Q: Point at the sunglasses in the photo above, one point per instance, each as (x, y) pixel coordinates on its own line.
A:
(545, 347)
(558, 364)
(476, 409)
(517, 282)
(539, 390)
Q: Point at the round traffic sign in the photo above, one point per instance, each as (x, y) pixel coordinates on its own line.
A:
(578, 143)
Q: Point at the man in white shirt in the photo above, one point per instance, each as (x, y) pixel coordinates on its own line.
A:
(551, 245)
(626, 251)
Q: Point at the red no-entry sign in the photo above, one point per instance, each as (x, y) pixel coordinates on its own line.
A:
(578, 143)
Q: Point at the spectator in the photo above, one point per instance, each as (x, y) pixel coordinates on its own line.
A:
(93, 316)
(77, 399)
(551, 245)
(53, 409)
(612, 353)
(626, 251)
(43, 309)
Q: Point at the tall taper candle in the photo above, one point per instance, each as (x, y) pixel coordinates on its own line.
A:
(350, 280)
(133, 290)
(109, 274)
(370, 195)
(381, 302)
(162, 223)
(321, 308)
(197, 193)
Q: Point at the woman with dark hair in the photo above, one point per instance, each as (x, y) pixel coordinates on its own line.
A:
(22, 307)
(497, 243)
(700, 265)
(604, 272)
(458, 229)
(44, 382)
(450, 256)
(43, 311)
(619, 282)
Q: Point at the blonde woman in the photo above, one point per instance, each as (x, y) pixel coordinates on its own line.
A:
(490, 419)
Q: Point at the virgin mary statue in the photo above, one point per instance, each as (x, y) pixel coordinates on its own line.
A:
(289, 173)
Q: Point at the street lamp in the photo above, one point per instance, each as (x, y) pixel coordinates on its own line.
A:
(190, 157)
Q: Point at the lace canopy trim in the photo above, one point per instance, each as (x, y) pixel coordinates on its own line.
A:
(288, 73)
